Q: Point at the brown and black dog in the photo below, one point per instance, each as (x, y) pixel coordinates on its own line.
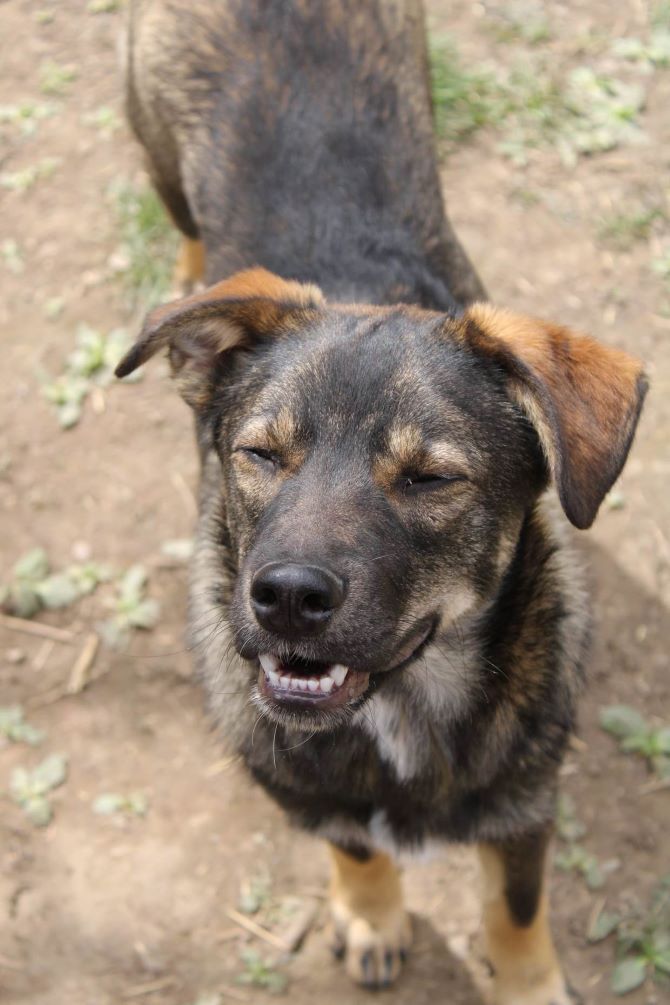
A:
(401, 630)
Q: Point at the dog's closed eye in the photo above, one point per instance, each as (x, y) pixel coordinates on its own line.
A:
(415, 482)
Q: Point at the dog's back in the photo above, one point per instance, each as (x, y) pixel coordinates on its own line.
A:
(298, 136)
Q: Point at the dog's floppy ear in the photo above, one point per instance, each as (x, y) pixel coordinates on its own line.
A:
(583, 398)
(248, 306)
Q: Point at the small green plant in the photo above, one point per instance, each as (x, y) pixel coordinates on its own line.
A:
(132, 608)
(568, 826)
(14, 727)
(463, 100)
(23, 180)
(104, 119)
(260, 974)
(12, 255)
(102, 6)
(149, 244)
(34, 586)
(135, 804)
(26, 115)
(255, 893)
(30, 789)
(90, 364)
(625, 228)
(643, 943)
(55, 78)
(520, 22)
(636, 736)
(576, 858)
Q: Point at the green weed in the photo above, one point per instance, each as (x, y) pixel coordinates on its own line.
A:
(636, 736)
(90, 364)
(33, 586)
(55, 78)
(260, 974)
(26, 115)
(463, 100)
(30, 789)
(14, 727)
(110, 803)
(625, 228)
(24, 179)
(132, 608)
(149, 244)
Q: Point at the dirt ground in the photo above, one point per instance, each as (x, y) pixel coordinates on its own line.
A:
(96, 910)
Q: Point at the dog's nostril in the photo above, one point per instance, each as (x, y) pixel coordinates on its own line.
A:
(315, 603)
(265, 596)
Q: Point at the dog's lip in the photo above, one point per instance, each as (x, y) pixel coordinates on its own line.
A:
(330, 685)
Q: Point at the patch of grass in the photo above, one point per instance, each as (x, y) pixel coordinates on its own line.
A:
(577, 859)
(30, 789)
(56, 78)
(642, 941)
(654, 52)
(135, 804)
(21, 181)
(26, 115)
(104, 120)
(532, 106)
(622, 229)
(132, 608)
(260, 974)
(149, 244)
(13, 727)
(91, 364)
(520, 22)
(636, 736)
(12, 255)
(102, 6)
(463, 99)
(33, 586)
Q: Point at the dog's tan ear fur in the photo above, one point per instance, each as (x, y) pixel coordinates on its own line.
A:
(583, 398)
(250, 305)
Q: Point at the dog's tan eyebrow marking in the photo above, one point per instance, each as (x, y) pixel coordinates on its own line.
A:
(277, 433)
(407, 450)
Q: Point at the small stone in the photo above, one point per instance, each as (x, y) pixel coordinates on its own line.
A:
(15, 656)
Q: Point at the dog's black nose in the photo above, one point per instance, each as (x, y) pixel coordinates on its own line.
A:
(295, 600)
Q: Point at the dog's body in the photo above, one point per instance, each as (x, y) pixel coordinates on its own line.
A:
(371, 522)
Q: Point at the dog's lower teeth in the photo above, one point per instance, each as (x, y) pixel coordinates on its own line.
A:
(334, 677)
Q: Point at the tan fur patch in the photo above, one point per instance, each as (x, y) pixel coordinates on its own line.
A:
(407, 451)
(526, 968)
(368, 914)
(258, 282)
(190, 265)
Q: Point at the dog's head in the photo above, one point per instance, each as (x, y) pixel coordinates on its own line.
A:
(377, 466)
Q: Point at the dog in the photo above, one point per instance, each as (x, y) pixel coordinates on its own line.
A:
(401, 629)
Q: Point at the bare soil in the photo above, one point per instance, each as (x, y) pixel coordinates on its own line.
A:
(97, 910)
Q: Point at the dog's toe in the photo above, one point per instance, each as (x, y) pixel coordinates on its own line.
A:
(374, 955)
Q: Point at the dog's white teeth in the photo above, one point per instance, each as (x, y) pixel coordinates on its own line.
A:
(284, 680)
(269, 662)
(338, 674)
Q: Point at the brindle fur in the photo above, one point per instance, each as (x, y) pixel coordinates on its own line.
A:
(297, 136)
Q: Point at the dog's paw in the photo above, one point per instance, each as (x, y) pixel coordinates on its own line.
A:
(373, 950)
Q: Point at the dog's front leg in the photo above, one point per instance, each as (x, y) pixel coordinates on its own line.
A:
(372, 929)
(519, 944)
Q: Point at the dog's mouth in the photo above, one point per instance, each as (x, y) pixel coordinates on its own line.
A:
(298, 683)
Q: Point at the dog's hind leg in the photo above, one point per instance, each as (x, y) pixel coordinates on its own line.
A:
(189, 271)
(372, 929)
(520, 949)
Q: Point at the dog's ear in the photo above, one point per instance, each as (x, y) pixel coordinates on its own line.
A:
(197, 330)
(583, 398)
